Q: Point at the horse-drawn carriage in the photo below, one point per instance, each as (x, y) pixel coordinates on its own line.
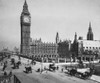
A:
(81, 73)
(52, 67)
(28, 69)
(16, 65)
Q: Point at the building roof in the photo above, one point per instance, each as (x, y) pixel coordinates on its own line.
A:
(90, 43)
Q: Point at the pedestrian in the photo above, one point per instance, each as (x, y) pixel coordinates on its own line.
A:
(5, 73)
(10, 73)
(28, 61)
(41, 71)
(6, 62)
(57, 67)
(1, 63)
(62, 69)
(45, 68)
(4, 66)
(38, 70)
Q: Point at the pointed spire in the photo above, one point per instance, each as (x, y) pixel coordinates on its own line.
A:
(90, 29)
(75, 38)
(25, 8)
(89, 24)
(90, 33)
(25, 3)
(57, 38)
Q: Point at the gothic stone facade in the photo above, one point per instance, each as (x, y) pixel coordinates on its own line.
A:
(36, 48)
(64, 49)
(25, 21)
(87, 50)
(47, 51)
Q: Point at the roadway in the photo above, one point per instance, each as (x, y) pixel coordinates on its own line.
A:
(46, 77)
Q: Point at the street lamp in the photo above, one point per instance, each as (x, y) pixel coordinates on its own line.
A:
(42, 65)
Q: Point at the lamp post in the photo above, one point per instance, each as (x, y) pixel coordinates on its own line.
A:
(71, 61)
(42, 65)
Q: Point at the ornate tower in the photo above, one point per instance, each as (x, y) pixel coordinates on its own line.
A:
(74, 48)
(75, 38)
(90, 33)
(57, 38)
(25, 21)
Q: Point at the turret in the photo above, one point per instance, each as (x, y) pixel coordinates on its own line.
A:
(57, 38)
(75, 38)
(90, 33)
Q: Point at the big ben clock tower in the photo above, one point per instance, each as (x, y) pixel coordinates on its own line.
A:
(25, 21)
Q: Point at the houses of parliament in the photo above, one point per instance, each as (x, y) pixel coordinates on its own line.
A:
(87, 49)
(36, 48)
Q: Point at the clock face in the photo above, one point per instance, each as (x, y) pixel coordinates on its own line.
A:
(26, 19)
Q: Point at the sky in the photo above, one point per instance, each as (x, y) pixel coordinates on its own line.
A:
(47, 18)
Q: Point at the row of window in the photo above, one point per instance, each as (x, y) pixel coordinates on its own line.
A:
(45, 56)
(91, 47)
(45, 45)
(44, 51)
(46, 48)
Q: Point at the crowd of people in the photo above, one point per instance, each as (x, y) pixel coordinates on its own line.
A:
(5, 76)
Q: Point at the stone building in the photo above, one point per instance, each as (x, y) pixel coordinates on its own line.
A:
(37, 49)
(87, 50)
(74, 48)
(64, 49)
(25, 21)
(5, 52)
(46, 51)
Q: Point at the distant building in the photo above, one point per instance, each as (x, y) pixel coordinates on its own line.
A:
(5, 52)
(87, 50)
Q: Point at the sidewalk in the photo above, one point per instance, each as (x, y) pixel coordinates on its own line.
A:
(23, 60)
(95, 78)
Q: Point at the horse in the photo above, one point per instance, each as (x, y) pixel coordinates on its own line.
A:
(28, 69)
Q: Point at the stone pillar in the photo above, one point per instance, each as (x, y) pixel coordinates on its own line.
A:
(65, 60)
(47, 60)
(84, 58)
(75, 59)
(93, 58)
(58, 60)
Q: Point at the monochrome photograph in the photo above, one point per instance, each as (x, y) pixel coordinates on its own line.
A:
(49, 41)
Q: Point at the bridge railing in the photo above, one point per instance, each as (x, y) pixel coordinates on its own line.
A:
(16, 80)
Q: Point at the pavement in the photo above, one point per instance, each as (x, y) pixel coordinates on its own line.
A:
(95, 78)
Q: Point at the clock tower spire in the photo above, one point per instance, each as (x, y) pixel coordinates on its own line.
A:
(25, 8)
(25, 22)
